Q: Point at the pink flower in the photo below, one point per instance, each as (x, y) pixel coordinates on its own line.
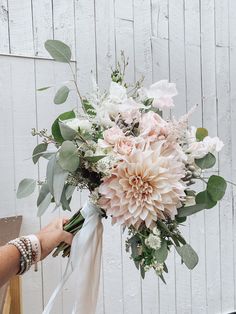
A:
(153, 127)
(124, 145)
(130, 116)
(112, 135)
(144, 187)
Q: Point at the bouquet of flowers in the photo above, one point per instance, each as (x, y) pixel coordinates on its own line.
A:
(140, 168)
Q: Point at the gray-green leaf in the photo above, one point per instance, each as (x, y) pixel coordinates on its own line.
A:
(94, 159)
(61, 95)
(68, 156)
(162, 253)
(58, 50)
(59, 178)
(206, 162)
(66, 132)
(43, 88)
(188, 255)
(38, 152)
(216, 187)
(26, 187)
(205, 198)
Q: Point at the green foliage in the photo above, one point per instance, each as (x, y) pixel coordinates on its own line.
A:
(162, 253)
(61, 95)
(67, 133)
(56, 177)
(94, 159)
(44, 199)
(68, 156)
(188, 255)
(26, 187)
(88, 108)
(206, 162)
(201, 133)
(58, 50)
(205, 198)
(38, 151)
(216, 187)
(43, 88)
(190, 210)
(56, 132)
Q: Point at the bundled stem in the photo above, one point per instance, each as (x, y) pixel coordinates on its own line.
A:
(73, 226)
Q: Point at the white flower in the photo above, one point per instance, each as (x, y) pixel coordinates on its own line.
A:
(202, 148)
(156, 231)
(159, 268)
(75, 124)
(153, 241)
(162, 93)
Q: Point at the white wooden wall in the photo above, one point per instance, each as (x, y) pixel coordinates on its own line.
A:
(190, 42)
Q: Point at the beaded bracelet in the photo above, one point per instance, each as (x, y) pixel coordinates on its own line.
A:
(30, 251)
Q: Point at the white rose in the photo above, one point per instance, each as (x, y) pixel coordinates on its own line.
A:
(213, 144)
(76, 123)
(153, 241)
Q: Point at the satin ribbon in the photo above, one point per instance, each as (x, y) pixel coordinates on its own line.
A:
(85, 263)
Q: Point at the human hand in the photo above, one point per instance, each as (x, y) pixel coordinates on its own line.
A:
(52, 235)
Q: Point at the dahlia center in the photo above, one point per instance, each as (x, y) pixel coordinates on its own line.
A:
(141, 188)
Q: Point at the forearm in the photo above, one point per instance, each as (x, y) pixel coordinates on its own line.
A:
(9, 262)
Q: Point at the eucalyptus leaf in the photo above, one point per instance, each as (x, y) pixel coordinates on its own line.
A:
(188, 255)
(69, 191)
(61, 95)
(59, 178)
(68, 156)
(38, 151)
(58, 50)
(201, 133)
(50, 172)
(206, 162)
(162, 253)
(43, 88)
(205, 198)
(190, 210)
(56, 132)
(94, 159)
(26, 187)
(216, 187)
(43, 206)
(44, 191)
(65, 202)
(67, 133)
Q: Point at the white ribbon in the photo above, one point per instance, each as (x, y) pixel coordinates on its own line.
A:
(85, 262)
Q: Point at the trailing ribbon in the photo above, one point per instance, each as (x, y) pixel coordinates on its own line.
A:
(85, 262)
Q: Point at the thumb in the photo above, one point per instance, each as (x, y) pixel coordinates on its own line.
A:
(67, 237)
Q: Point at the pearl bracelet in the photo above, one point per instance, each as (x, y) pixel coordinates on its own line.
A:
(30, 251)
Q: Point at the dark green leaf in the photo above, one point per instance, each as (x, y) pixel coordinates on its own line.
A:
(205, 198)
(190, 210)
(180, 220)
(216, 187)
(206, 162)
(56, 132)
(61, 95)
(201, 133)
(68, 156)
(188, 255)
(148, 102)
(162, 278)
(142, 271)
(162, 253)
(165, 268)
(26, 187)
(58, 50)
(38, 152)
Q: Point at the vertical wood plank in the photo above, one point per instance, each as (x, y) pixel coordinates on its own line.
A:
(4, 27)
(232, 66)
(7, 156)
(42, 25)
(24, 117)
(225, 161)
(21, 28)
(213, 289)
(193, 97)
(142, 40)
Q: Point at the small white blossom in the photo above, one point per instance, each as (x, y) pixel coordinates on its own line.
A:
(159, 268)
(153, 241)
(156, 231)
(75, 124)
